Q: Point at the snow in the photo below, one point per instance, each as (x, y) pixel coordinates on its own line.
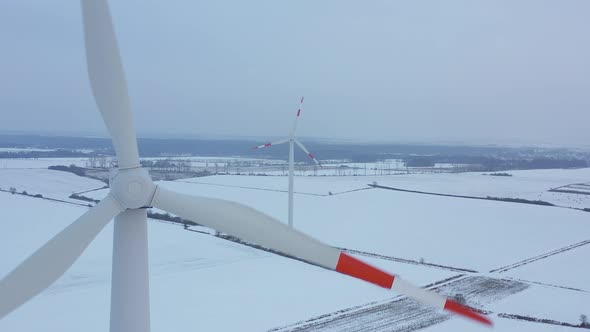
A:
(303, 185)
(500, 324)
(197, 280)
(25, 150)
(28, 163)
(546, 302)
(49, 183)
(529, 184)
(563, 269)
(413, 226)
(27, 223)
(203, 282)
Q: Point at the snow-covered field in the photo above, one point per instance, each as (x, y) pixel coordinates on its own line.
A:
(530, 184)
(546, 302)
(202, 282)
(304, 185)
(562, 269)
(500, 325)
(197, 280)
(27, 163)
(25, 150)
(49, 183)
(418, 226)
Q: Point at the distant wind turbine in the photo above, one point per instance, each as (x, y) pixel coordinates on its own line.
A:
(292, 141)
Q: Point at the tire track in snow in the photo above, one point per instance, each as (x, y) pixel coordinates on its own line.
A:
(550, 285)
(539, 257)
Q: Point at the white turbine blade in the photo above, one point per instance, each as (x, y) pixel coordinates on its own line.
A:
(307, 152)
(50, 261)
(297, 118)
(285, 140)
(247, 224)
(107, 80)
(256, 227)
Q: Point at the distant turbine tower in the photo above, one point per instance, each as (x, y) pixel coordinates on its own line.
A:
(292, 141)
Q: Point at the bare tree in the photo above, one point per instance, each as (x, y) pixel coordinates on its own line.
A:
(92, 162)
(102, 162)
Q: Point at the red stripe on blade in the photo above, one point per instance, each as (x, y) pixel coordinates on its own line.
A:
(301, 102)
(465, 311)
(311, 156)
(359, 269)
(298, 112)
(267, 144)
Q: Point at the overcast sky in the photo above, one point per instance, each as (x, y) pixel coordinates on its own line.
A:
(431, 71)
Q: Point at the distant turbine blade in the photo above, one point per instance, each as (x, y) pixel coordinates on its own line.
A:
(271, 144)
(256, 227)
(50, 261)
(307, 152)
(107, 80)
(297, 118)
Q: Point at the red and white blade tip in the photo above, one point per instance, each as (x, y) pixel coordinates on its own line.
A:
(356, 268)
(314, 159)
(261, 146)
(299, 109)
(467, 312)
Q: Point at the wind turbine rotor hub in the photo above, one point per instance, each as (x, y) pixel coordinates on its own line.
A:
(133, 188)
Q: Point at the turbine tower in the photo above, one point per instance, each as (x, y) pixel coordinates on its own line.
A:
(133, 190)
(292, 141)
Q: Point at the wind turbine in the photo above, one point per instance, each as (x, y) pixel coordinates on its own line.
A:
(133, 190)
(292, 141)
